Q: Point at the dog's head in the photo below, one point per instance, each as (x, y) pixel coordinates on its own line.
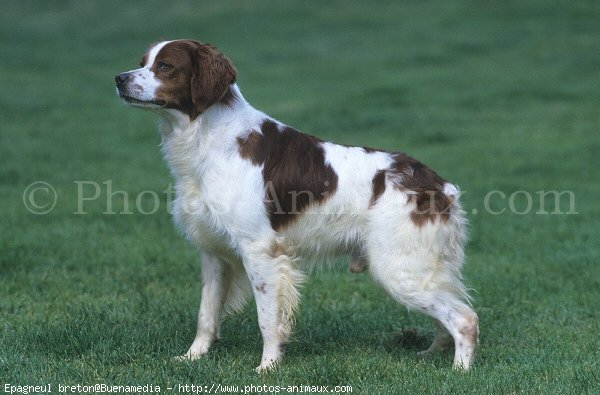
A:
(184, 75)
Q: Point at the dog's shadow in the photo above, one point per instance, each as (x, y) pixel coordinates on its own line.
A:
(313, 337)
(391, 341)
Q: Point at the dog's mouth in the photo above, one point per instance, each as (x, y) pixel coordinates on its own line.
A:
(142, 103)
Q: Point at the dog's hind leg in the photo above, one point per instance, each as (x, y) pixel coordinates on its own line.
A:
(419, 266)
(462, 323)
(441, 303)
(275, 282)
(216, 279)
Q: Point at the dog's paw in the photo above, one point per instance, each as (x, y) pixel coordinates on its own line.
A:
(268, 365)
(189, 356)
(265, 368)
(461, 366)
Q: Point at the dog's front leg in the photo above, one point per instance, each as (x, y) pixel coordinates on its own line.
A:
(274, 284)
(216, 279)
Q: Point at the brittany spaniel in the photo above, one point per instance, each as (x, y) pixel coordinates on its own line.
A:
(260, 200)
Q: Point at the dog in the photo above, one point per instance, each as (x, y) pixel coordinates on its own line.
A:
(260, 200)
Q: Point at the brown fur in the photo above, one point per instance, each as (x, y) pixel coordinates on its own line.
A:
(213, 74)
(200, 77)
(251, 147)
(294, 172)
(425, 188)
(471, 329)
(378, 186)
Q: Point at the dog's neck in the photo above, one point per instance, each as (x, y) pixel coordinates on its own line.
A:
(174, 121)
(186, 144)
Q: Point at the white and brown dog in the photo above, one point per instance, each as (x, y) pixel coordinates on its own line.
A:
(259, 199)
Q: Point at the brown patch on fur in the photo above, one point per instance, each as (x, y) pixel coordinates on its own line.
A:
(378, 186)
(424, 186)
(425, 189)
(251, 147)
(198, 77)
(294, 170)
(470, 330)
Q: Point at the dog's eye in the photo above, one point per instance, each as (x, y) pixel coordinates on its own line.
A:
(164, 66)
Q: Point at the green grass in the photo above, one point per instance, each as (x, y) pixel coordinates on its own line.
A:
(493, 95)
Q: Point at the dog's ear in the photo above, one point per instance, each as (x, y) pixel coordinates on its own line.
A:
(212, 73)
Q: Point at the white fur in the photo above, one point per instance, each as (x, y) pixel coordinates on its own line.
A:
(220, 208)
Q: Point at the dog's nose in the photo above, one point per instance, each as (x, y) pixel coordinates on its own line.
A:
(122, 78)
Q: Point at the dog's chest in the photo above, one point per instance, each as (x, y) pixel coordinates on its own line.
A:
(218, 197)
(198, 208)
(200, 216)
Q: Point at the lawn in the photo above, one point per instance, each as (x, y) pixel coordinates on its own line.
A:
(496, 96)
